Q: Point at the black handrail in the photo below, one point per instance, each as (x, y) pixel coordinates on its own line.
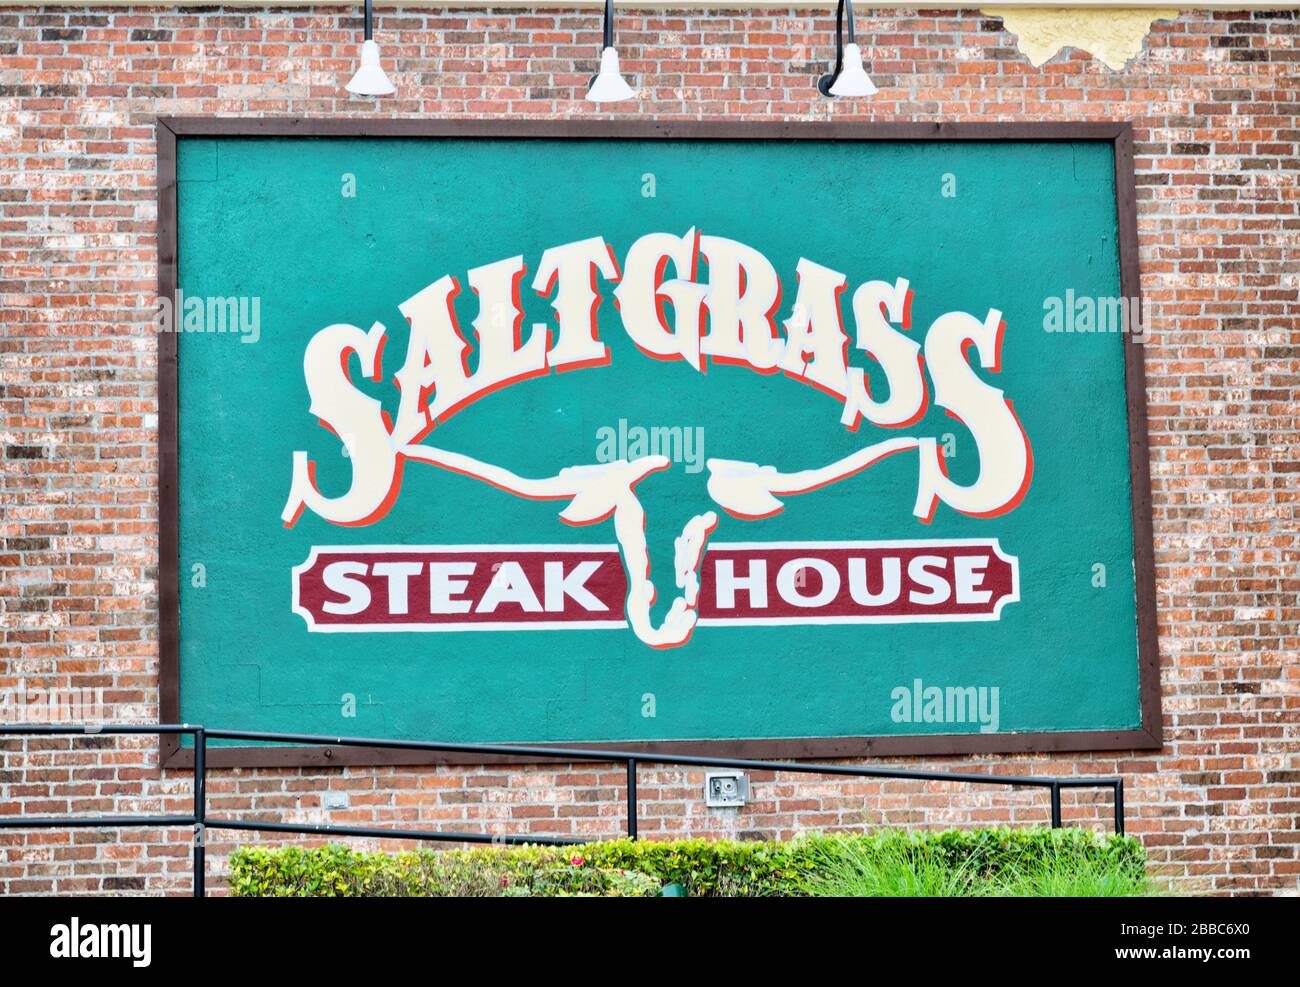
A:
(201, 822)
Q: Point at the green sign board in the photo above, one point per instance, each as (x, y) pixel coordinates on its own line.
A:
(808, 440)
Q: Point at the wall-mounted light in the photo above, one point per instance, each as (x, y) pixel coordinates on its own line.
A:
(849, 77)
(370, 79)
(608, 85)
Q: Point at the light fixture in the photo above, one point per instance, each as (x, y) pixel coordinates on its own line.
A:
(608, 85)
(849, 77)
(370, 79)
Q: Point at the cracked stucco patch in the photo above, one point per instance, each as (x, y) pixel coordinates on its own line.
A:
(1112, 35)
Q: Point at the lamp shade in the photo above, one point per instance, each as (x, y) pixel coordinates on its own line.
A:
(370, 79)
(609, 85)
(853, 79)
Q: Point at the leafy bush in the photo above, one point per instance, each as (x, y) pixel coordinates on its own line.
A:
(994, 861)
(341, 872)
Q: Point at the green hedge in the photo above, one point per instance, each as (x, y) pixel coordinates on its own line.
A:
(715, 868)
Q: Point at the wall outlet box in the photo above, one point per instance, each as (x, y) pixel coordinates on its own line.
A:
(335, 800)
(725, 788)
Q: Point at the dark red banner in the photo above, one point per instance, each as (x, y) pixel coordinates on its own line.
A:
(549, 587)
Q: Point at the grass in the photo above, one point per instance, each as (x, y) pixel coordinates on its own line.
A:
(1065, 878)
(908, 869)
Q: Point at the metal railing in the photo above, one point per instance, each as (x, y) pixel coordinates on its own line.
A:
(201, 822)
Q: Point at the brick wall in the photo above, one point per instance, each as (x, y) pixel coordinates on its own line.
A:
(1213, 98)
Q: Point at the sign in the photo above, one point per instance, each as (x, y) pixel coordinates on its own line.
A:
(794, 440)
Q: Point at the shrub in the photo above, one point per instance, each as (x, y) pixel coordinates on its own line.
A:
(994, 861)
(341, 872)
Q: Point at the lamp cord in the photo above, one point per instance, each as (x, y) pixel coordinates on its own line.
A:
(839, 35)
